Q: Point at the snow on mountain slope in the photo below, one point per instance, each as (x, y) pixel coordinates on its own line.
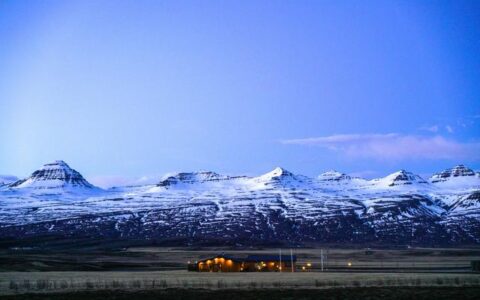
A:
(454, 183)
(333, 175)
(192, 178)
(337, 182)
(463, 218)
(7, 179)
(53, 181)
(279, 205)
(455, 172)
(457, 178)
(401, 177)
(279, 177)
(53, 175)
(467, 205)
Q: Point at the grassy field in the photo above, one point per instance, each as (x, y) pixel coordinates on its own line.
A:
(160, 259)
(392, 293)
(26, 282)
(157, 270)
(419, 259)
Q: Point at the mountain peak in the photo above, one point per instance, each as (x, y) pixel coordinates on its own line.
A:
(276, 173)
(57, 164)
(280, 177)
(401, 177)
(191, 177)
(281, 171)
(333, 175)
(57, 174)
(455, 172)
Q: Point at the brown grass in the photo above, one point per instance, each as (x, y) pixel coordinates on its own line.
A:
(23, 282)
(158, 259)
(163, 268)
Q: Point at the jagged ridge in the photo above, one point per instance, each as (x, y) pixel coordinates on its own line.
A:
(278, 206)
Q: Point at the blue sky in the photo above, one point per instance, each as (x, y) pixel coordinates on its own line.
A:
(125, 89)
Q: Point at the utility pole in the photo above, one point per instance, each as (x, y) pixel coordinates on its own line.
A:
(411, 238)
(321, 258)
(326, 260)
(280, 258)
(291, 259)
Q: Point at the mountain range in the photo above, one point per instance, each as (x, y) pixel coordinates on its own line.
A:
(279, 207)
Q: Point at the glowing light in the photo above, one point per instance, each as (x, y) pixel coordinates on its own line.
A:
(309, 264)
(349, 264)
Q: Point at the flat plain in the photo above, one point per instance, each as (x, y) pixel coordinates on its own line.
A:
(176, 258)
(26, 271)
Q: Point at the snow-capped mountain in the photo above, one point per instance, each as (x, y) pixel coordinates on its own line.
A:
(333, 175)
(279, 206)
(279, 177)
(456, 178)
(401, 177)
(53, 176)
(459, 171)
(192, 178)
(468, 204)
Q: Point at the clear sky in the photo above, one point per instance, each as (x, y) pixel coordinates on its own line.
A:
(125, 89)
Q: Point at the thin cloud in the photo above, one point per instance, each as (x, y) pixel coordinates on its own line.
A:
(433, 128)
(449, 128)
(393, 146)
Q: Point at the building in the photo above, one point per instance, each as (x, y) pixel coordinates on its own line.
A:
(250, 263)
